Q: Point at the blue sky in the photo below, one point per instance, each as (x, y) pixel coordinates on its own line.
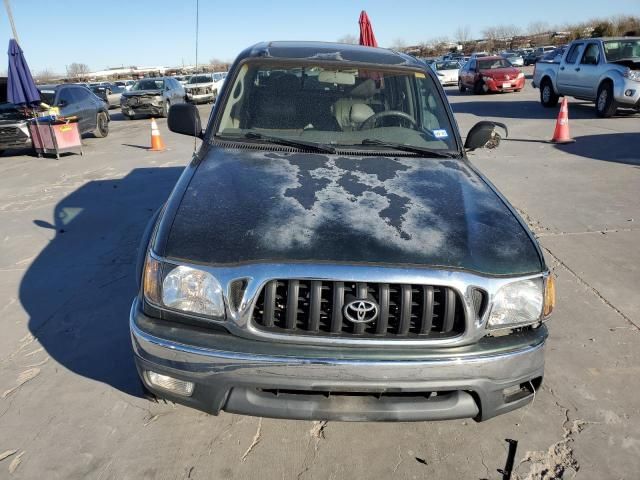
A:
(162, 32)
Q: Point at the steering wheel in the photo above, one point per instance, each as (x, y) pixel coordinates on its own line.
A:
(371, 121)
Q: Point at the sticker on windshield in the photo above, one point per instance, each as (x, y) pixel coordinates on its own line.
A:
(440, 133)
(420, 75)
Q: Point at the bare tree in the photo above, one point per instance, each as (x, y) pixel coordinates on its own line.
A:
(77, 70)
(398, 44)
(350, 39)
(462, 34)
(44, 76)
(538, 28)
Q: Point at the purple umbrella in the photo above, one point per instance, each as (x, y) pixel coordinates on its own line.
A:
(21, 89)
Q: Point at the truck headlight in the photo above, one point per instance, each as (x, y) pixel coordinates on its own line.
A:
(632, 74)
(518, 304)
(183, 288)
(521, 75)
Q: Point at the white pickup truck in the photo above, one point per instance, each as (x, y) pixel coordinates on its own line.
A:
(603, 70)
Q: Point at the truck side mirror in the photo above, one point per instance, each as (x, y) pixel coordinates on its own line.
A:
(184, 118)
(483, 134)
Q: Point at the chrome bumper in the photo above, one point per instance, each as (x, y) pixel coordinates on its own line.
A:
(247, 376)
(621, 89)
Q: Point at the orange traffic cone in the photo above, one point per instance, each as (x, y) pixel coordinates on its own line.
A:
(561, 133)
(157, 145)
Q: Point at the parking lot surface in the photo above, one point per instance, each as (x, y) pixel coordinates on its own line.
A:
(70, 402)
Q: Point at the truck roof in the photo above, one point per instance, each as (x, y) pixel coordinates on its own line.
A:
(608, 38)
(340, 52)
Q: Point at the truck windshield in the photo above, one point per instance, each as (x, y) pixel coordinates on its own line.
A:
(200, 79)
(616, 50)
(336, 106)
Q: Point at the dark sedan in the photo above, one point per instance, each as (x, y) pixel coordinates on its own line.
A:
(76, 100)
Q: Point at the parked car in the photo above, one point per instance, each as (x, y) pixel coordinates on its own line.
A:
(447, 71)
(109, 93)
(74, 100)
(513, 58)
(183, 79)
(537, 54)
(332, 254)
(127, 84)
(490, 74)
(554, 56)
(602, 70)
(152, 96)
(201, 88)
(14, 132)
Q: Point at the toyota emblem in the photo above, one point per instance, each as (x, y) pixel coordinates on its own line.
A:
(361, 311)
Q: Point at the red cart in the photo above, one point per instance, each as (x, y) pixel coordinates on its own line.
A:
(55, 137)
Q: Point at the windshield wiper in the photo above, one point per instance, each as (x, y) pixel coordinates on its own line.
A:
(430, 152)
(318, 147)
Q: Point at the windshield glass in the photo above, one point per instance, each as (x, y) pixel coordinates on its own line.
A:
(332, 106)
(200, 79)
(616, 50)
(493, 64)
(447, 65)
(47, 96)
(148, 84)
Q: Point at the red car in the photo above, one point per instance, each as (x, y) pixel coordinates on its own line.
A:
(490, 74)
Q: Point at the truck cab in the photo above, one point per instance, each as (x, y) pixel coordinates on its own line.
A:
(603, 70)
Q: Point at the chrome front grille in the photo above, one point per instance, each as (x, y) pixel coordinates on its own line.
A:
(316, 308)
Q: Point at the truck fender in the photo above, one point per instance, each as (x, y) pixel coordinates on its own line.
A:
(144, 245)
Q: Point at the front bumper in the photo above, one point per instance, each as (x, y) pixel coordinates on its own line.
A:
(327, 383)
(141, 109)
(200, 97)
(620, 91)
(498, 85)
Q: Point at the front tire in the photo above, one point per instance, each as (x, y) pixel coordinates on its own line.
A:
(102, 125)
(461, 87)
(605, 104)
(548, 98)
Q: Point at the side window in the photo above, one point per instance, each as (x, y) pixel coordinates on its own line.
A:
(572, 56)
(591, 55)
(472, 65)
(79, 94)
(65, 96)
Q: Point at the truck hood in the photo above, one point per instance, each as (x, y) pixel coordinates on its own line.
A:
(258, 206)
(198, 85)
(632, 63)
(140, 93)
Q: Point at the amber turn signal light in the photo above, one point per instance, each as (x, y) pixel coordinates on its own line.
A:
(549, 296)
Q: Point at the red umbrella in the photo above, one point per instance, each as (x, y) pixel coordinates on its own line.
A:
(366, 31)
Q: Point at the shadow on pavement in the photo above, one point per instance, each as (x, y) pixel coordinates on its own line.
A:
(609, 147)
(520, 109)
(78, 290)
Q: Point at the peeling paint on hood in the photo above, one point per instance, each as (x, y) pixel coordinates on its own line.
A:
(254, 206)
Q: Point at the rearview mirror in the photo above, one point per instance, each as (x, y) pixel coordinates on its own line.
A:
(483, 135)
(184, 118)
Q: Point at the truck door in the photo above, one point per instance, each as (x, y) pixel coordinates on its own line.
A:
(589, 73)
(569, 70)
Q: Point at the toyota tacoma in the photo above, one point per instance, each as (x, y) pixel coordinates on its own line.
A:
(330, 252)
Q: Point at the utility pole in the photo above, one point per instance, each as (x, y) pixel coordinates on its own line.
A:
(7, 6)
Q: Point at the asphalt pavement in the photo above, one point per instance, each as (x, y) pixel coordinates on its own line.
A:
(70, 403)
